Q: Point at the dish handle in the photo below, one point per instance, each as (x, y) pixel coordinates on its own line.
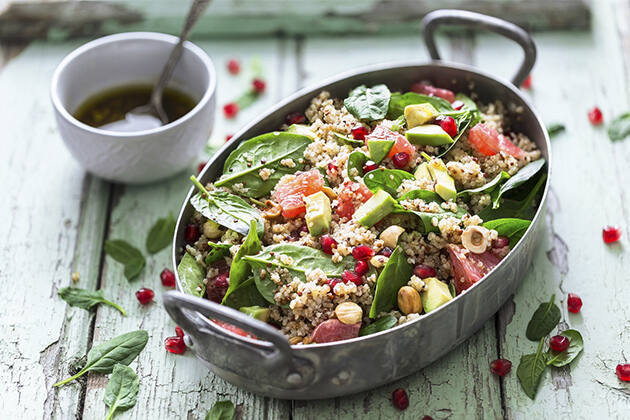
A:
(476, 20)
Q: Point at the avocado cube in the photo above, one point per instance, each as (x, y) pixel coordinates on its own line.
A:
(422, 172)
(419, 114)
(373, 210)
(302, 129)
(444, 184)
(435, 294)
(258, 312)
(379, 149)
(428, 135)
(318, 214)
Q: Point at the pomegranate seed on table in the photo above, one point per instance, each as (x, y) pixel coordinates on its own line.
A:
(369, 166)
(574, 303)
(228, 137)
(611, 234)
(457, 105)
(168, 278)
(328, 244)
(501, 242)
(230, 110)
(233, 66)
(595, 116)
(401, 159)
(559, 343)
(192, 233)
(145, 296)
(362, 252)
(447, 123)
(352, 277)
(295, 118)
(259, 85)
(387, 252)
(361, 267)
(427, 418)
(175, 345)
(359, 133)
(623, 372)
(501, 367)
(527, 83)
(400, 399)
(178, 331)
(424, 271)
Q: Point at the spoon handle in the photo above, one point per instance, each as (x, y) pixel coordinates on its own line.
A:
(196, 10)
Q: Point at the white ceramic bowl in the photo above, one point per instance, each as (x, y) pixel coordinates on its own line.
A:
(134, 58)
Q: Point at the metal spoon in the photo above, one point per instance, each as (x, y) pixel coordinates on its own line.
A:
(152, 115)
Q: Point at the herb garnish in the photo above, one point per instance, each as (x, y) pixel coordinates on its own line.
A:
(543, 321)
(122, 390)
(554, 129)
(575, 347)
(161, 234)
(86, 299)
(619, 128)
(221, 410)
(126, 254)
(530, 370)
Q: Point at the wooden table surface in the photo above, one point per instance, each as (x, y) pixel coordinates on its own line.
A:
(55, 218)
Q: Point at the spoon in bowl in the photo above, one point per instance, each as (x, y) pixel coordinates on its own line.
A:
(152, 115)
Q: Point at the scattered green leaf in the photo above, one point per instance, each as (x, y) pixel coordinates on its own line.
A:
(86, 299)
(161, 234)
(576, 345)
(126, 254)
(530, 370)
(619, 128)
(122, 390)
(221, 410)
(554, 129)
(545, 319)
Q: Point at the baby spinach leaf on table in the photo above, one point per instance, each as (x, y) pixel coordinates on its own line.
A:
(619, 128)
(240, 270)
(226, 209)
(265, 151)
(347, 140)
(576, 345)
(426, 195)
(121, 391)
(524, 174)
(487, 187)
(221, 410)
(191, 275)
(368, 104)
(395, 275)
(387, 180)
(126, 254)
(103, 357)
(554, 129)
(398, 101)
(530, 370)
(217, 252)
(86, 299)
(246, 294)
(161, 234)
(356, 160)
(514, 229)
(543, 321)
(383, 323)
(509, 208)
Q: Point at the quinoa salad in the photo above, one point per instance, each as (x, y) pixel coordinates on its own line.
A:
(363, 213)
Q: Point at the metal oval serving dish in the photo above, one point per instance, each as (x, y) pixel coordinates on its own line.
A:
(270, 366)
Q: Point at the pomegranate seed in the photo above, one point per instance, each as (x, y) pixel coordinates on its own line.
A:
(328, 244)
(200, 167)
(501, 242)
(611, 234)
(574, 303)
(361, 267)
(427, 418)
(233, 66)
(400, 399)
(352, 277)
(359, 133)
(230, 110)
(295, 118)
(559, 343)
(221, 280)
(424, 271)
(145, 296)
(448, 124)
(192, 233)
(387, 252)
(623, 372)
(595, 116)
(175, 345)
(333, 282)
(168, 278)
(332, 168)
(258, 85)
(362, 252)
(401, 159)
(457, 105)
(228, 137)
(501, 367)
(178, 331)
(527, 83)
(369, 166)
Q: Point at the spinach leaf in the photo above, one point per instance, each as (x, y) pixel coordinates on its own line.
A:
(543, 321)
(383, 323)
(487, 187)
(86, 299)
(554, 129)
(426, 218)
(126, 254)
(514, 229)
(399, 123)
(426, 195)
(395, 275)
(530, 370)
(265, 151)
(217, 252)
(524, 174)
(246, 294)
(221, 410)
(240, 270)
(399, 101)
(387, 180)
(509, 208)
(576, 345)
(161, 234)
(464, 120)
(226, 209)
(368, 104)
(191, 275)
(347, 140)
(103, 357)
(469, 104)
(356, 160)
(619, 128)
(122, 390)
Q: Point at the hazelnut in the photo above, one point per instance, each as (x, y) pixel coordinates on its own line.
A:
(349, 313)
(475, 239)
(390, 236)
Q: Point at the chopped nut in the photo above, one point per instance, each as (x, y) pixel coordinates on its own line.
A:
(409, 300)
(379, 261)
(349, 313)
(329, 192)
(295, 340)
(271, 210)
(390, 236)
(75, 277)
(212, 230)
(307, 340)
(475, 239)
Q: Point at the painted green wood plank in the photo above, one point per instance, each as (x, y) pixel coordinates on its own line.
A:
(174, 386)
(575, 72)
(49, 210)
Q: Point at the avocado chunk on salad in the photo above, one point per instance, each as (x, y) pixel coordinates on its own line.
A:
(318, 215)
(372, 211)
(419, 114)
(428, 135)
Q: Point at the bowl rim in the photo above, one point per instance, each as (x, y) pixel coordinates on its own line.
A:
(209, 92)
